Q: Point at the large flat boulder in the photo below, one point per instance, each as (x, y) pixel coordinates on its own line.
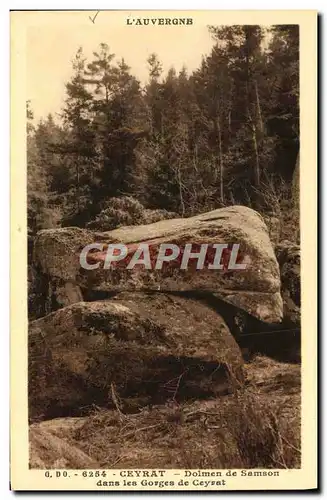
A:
(256, 288)
(133, 350)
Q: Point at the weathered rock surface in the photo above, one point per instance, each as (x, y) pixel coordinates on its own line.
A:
(273, 225)
(48, 451)
(255, 289)
(137, 348)
(288, 255)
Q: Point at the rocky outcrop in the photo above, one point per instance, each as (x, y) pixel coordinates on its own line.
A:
(255, 289)
(288, 255)
(133, 350)
(273, 225)
(156, 367)
(49, 451)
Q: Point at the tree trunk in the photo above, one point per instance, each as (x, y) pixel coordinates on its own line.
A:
(257, 161)
(258, 108)
(254, 132)
(221, 164)
(78, 183)
(181, 190)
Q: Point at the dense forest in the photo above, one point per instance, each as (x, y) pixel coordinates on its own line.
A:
(227, 133)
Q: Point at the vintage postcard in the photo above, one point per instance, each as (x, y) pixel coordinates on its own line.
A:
(163, 257)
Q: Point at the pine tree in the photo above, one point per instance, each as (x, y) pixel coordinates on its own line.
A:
(283, 99)
(78, 147)
(226, 133)
(117, 107)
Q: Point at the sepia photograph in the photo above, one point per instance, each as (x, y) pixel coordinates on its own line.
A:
(163, 244)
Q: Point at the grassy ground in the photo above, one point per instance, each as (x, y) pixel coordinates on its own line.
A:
(256, 427)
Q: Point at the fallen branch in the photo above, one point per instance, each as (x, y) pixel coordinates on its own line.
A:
(141, 429)
(115, 401)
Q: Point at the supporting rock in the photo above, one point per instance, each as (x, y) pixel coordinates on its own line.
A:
(136, 348)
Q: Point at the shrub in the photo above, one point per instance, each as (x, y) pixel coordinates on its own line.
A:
(126, 211)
